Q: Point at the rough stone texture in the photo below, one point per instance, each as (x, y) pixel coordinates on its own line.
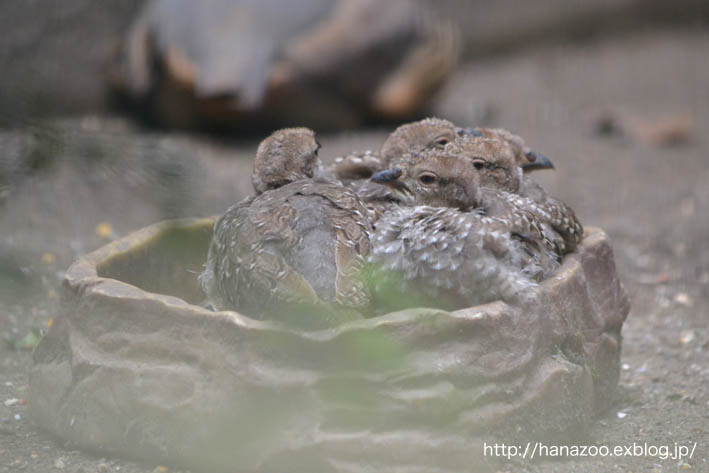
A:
(151, 375)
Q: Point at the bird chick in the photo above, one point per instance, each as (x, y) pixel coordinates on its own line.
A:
(438, 241)
(408, 138)
(416, 137)
(501, 158)
(288, 155)
(498, 160)
(355, 169)
(295, 252)
(526, 158)
(407, 141)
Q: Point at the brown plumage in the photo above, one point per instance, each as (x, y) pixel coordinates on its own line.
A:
(296, 251)
(439, 241)
(409, 138)
(355, 169)
(506, 157)
(416, 137)
(286, 156)
(526, 157)
(429, 133)
(499, 160)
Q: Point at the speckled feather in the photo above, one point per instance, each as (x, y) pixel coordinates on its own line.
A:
(461, 255)
(301, 242)
(498, 154)
(475, 245)
(416, 137)
(507, 151)
(355, 168)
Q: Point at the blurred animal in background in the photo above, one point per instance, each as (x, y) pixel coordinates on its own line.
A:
(257, 63)
(295, 251)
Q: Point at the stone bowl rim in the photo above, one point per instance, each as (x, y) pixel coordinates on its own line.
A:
(83, 273)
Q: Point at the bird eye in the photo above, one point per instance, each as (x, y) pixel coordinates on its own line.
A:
(478, 164)
(427, 178)
(442, 141)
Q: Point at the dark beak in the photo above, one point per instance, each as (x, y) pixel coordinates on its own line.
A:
(536, 161)
(390, 177)
(387, 176)
(468, 132)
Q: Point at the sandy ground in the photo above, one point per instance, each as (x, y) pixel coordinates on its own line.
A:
(68, 186)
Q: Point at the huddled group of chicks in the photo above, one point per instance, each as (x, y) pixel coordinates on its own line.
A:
(441, 216)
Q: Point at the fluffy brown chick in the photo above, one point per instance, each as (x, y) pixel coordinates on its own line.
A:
(296, 251)
(288, 155)
(416, 137)
(440, 243)
(497, 159)
(526, 157)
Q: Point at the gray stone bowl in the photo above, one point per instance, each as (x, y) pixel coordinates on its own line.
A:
(133, 366)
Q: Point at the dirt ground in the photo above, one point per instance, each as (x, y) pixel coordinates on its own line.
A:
(625, 119)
